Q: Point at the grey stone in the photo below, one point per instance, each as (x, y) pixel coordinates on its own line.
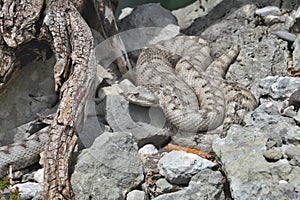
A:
(273, 154)
(108, 169)
(204, 141)
(276, 87)
(250, 175)
(292, 136)
(119, 118)
(207, 184)
(147, 15)
(136, 195)
(294, 99)
(295, 161)
(297, 117)
(188, 14)
(178, 166)
(29, 190)
(286, 110)
(261, 54)
(92, 127)
(163, 186)
(148, 149)
(32, 92)
(290, 5)
(39, 175)
(270, 144)
(286, 36)
(222, 11)
(269, 10)
(292, 151)
(271, 20)
(296, 53)
(143, 23)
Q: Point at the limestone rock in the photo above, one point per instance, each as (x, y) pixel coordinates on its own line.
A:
(178, 166)
(276, 87)
(242, 155)
(29, 190)
(268, 10)
(148, 149)
(273, 154)
(188, 14)
(136, 195)
(147, 15)
(146, 25)
(205, 184)
(109, 168)
(119, 118)
(163, 186)
(256, 60)
(32, 92)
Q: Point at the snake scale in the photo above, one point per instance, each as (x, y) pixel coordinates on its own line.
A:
(182, 78)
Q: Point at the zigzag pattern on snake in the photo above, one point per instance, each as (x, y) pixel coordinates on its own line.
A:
(182, 78)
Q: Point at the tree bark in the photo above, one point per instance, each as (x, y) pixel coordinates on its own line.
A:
(60, 24)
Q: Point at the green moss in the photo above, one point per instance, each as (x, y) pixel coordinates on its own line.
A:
(4, 183)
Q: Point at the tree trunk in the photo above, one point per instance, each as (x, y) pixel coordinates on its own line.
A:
(23, 24)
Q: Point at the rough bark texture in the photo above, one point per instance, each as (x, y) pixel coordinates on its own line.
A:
(59, 23)
(73, 45)
(109, 29)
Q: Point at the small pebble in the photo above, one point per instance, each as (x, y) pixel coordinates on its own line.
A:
(292, 151)
(296, 53)
(275, 141)
(283, 182)
(273, 19)
(125, 12)
(162, 185)
(297, 117)
(288, 112)
(294, 99)
(273, 154)
(269, 10)
(148, 149)
(270, 144)
(136, 195)
(295, 161)
(269, 104)
(39, 175)
(290, 37)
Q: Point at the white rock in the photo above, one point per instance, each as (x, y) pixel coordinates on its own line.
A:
(148, 149)
(178, 166)
(136, 195)
(29, 190)
(39, 176)
(269, 10)
(125, 12)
